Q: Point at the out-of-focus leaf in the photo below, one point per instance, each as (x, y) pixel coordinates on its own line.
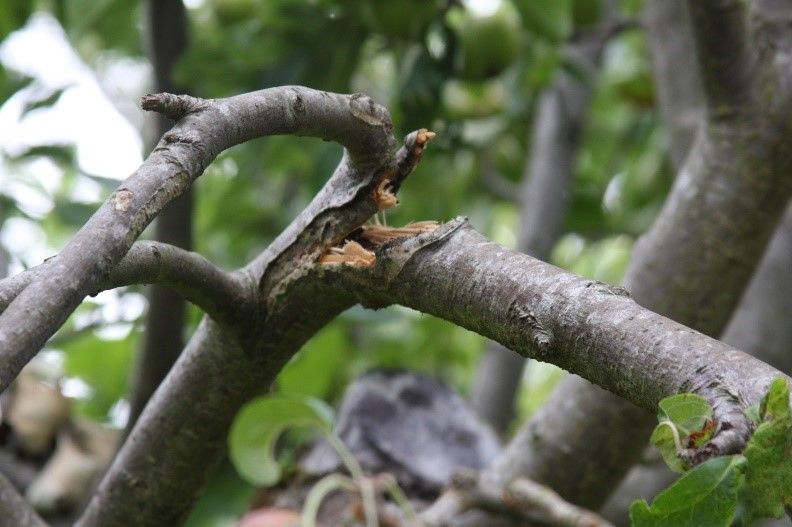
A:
(316, 370)
(768, 478)
(226, 498)
(704, 497)
(13, 14)
(104, 365)
(257, 427)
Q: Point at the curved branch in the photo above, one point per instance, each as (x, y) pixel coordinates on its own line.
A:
(14, 510)
(205, 128)
(224, 296)
(155, 478)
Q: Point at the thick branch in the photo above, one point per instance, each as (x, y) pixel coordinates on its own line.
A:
(719, 28)
(692, 266)
(584, 326)
(14, 510)
(760, 326)
(155, 478)
(206, 127)
(543, 198)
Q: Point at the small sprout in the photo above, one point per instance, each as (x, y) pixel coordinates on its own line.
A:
(351, 253)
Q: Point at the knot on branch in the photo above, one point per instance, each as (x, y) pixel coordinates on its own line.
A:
(541, 336)
(364, 108)
(171, 106)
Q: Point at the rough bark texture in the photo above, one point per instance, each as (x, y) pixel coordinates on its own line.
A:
(582, 325)
(204, 130)
(696, 260)
(14, 510)
(155, 478)
(760, 326)
(680, 101)
(163, 336)
(543, 200)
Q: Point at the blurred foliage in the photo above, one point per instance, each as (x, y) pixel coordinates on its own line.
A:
(472, 71)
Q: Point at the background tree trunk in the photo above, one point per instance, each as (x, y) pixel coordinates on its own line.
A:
(163, 338)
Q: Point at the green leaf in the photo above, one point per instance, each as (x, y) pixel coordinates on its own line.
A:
(687, 411)
(666, 439)
(768, 478)
(257, 427)
(704, 497)
(680, 416)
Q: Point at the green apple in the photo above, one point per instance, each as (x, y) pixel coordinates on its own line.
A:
(488, 42)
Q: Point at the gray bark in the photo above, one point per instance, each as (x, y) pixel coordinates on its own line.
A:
(698, 257)
(532, 307)
(155, 478)
(203, 131)
(760, 326)
(14, 510)
(543, 200)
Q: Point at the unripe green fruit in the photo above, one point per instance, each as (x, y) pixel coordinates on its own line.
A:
(400, 19)
(487, 44)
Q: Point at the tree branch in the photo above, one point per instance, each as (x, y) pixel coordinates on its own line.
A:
(719, 29)
(760, 326)
(205, 128)
(224, 296)
(583, 326)
(14, 510)
(522, 498)
(692, 266)
(163, 339)
(543, 196)
(155, 477)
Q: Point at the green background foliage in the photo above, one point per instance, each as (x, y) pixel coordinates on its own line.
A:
(418, 58)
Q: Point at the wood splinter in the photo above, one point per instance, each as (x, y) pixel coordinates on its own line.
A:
(379, 234)
(351, 253)
(384, 195)
(407, 159)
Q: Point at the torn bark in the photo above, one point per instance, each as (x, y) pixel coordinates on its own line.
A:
(155, 478)
(206, 128)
